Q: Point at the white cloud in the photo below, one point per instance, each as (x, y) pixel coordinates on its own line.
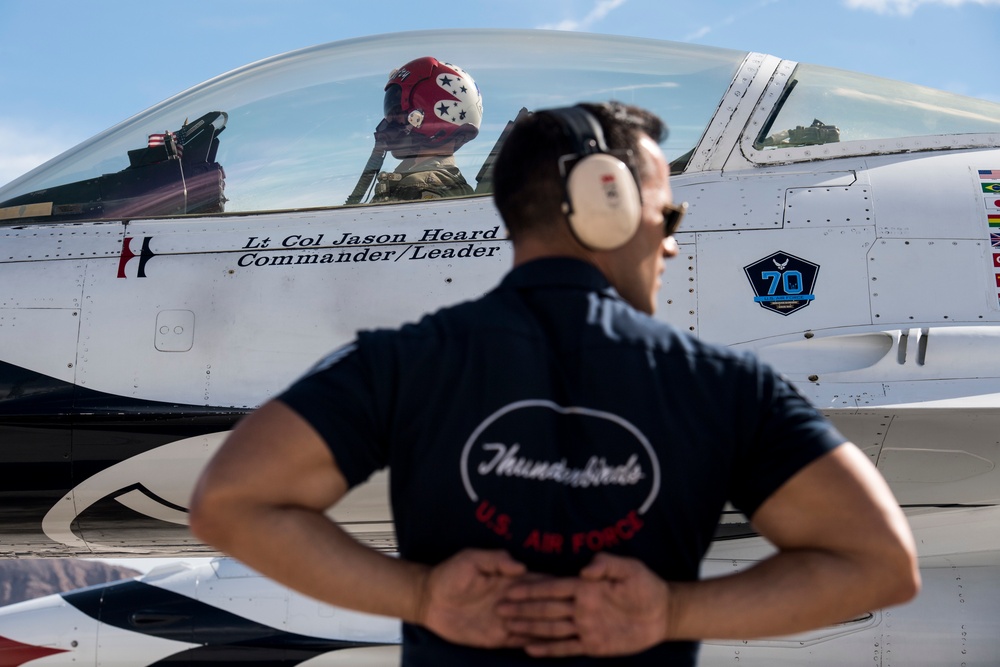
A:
(729, 20)
(697, 34)
(601, 9)
(907, 7)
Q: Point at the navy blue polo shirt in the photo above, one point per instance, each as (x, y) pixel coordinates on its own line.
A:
(551, 419)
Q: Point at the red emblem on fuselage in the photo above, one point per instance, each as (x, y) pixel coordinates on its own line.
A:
(145, 254)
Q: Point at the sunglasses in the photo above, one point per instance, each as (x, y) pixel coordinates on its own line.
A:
(672, 216)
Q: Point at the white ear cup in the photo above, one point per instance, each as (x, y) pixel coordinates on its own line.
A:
(605, 200)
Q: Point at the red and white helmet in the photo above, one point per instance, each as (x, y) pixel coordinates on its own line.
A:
(428, 102)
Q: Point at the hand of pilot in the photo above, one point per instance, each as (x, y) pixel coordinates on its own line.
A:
(461, 594)
(617, 606)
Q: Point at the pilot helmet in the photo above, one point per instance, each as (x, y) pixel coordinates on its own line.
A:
(428, 103)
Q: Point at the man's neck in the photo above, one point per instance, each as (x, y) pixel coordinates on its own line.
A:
(532, 248)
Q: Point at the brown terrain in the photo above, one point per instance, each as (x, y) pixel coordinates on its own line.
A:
(24, 579)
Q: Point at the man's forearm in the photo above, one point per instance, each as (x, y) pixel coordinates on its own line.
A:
(304, 550)
(845, 548)
(791, 592)
(262, 500)
(308, 552)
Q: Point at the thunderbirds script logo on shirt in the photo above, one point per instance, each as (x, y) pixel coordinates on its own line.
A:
(536, 454)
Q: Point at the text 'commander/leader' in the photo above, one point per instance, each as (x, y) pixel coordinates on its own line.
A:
(559, 459)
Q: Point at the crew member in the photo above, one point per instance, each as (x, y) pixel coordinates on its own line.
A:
(559, 459)
(431, 110)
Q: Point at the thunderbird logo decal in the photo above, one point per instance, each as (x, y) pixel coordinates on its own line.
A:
(128, 254)
(783, 283)
(156, 484)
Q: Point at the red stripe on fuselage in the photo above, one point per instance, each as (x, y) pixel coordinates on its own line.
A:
(15, 654)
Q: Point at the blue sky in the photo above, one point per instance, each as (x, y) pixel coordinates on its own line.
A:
(70, 69)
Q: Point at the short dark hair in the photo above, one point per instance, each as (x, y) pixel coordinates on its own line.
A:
(527, 185)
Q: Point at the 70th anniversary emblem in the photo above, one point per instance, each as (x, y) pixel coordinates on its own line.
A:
(783, 283)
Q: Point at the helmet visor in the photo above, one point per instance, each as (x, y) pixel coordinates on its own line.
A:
(392, 107)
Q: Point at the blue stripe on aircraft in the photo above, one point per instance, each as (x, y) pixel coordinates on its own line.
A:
(795, 297)
(224, 636)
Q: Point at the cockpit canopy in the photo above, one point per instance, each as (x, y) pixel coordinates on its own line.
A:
(296, 131)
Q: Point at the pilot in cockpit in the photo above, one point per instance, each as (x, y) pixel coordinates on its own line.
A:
(431, 109)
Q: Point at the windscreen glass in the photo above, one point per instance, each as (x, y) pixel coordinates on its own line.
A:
(297, 130)
(823, 105)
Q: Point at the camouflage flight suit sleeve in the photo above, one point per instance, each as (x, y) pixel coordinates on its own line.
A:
(429, 184)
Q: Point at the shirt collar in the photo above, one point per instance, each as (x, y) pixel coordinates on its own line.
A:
(557, 272)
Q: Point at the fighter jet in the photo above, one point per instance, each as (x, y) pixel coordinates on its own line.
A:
(223, 612)
(214, 613)
(163, 278)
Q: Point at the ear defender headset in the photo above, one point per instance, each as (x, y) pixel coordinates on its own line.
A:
(602, 204)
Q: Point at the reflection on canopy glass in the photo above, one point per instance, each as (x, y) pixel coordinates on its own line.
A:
(299, 130)
(296, 131)
(823, 105)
